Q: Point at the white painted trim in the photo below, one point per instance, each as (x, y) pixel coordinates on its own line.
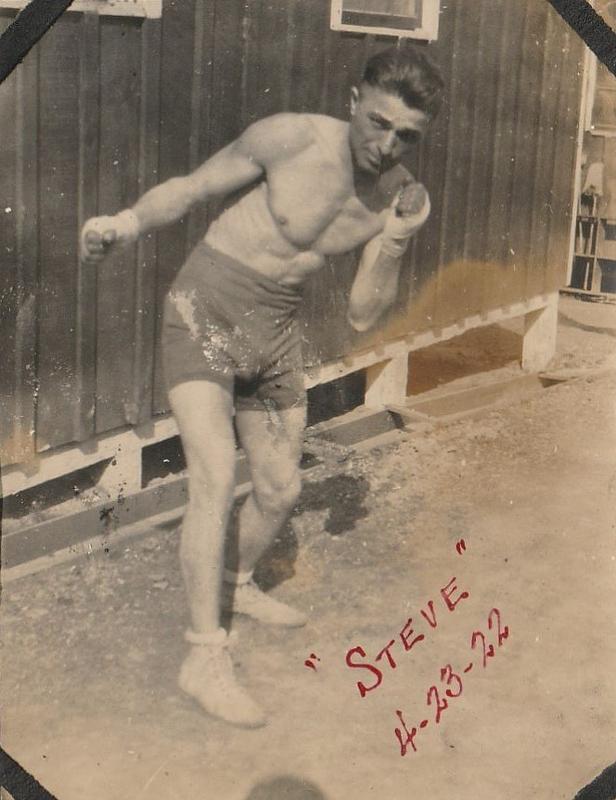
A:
(150, 9)
(586, 101)
(590, 84)
(125, 444)
(55, 463)
(416, 341)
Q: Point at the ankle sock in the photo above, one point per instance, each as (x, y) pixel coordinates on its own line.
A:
(237, 578)
(215, 637)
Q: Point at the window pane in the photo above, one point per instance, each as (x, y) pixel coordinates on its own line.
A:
(400, 8)
(604, 109)
(605, 79)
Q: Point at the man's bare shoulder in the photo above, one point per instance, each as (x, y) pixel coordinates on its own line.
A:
(327, 124)
(334, 131)
(302, 129)
(277, 137)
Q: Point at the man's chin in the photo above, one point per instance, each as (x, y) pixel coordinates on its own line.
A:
(371, 167)
(379, 167)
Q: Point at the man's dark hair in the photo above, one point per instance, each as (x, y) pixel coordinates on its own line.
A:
(408, 73)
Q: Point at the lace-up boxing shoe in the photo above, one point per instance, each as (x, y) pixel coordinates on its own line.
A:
(245, 597)
(207, 676)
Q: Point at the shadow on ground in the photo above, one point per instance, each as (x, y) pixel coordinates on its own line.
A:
(343, 496)
(286, 787)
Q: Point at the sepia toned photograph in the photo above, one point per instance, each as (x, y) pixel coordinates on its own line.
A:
(307, 433)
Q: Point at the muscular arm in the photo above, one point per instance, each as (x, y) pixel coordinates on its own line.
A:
(235, 166)
(226, 171)
(376, 284)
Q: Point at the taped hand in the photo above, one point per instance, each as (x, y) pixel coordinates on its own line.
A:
(100, 234)
(408, 212)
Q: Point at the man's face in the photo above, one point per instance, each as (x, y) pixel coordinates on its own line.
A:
(382, 128)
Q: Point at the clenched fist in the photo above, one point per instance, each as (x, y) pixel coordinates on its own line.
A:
(408, 212)
(100, 234)
(413, 200)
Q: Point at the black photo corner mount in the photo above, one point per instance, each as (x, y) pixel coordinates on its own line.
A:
(602, 788)
(32, 22)
(38, 16)
(591, 27)
(19, 783)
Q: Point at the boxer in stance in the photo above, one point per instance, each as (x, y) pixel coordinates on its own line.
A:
(314, 186)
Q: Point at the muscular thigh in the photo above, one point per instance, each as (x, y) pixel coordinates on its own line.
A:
(272, 441)
(203, 411)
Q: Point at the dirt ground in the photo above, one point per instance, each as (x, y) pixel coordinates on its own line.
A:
(92, 648)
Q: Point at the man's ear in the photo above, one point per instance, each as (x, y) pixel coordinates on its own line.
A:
(354, 99)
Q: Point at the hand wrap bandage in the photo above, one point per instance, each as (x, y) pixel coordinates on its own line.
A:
(124, 226)
(408, 212)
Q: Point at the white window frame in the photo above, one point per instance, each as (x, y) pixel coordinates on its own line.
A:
(591, 67)
(149, 9)
(427, 31)
(607, 131)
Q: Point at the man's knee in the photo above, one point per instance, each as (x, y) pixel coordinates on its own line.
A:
(210, 482)
(277, 491)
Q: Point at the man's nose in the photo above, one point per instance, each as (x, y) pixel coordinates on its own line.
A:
(388, 142)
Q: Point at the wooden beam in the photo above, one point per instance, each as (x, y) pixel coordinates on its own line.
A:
(383, 390)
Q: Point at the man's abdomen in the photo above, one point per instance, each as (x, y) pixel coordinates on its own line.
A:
(248, 233)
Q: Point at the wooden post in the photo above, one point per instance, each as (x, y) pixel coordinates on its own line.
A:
(123, 475)
(540, 336)
(386, 382)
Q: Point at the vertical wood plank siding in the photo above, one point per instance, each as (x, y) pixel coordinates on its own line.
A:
(10, 165)
(140, 404)
(119, 159)
(104, 108)
(58, 227)
(89, 143)
(25, 290)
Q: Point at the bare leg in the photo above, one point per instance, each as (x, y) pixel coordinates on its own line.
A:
(204, 414)
(272, 442)
(203, 411)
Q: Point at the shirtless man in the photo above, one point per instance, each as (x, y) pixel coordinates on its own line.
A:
(315, 187)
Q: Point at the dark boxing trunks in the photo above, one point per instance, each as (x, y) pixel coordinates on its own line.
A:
(224, 322)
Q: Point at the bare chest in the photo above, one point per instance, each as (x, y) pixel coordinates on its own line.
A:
(314, 206)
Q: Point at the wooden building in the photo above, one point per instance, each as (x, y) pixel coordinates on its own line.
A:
(105, 106)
